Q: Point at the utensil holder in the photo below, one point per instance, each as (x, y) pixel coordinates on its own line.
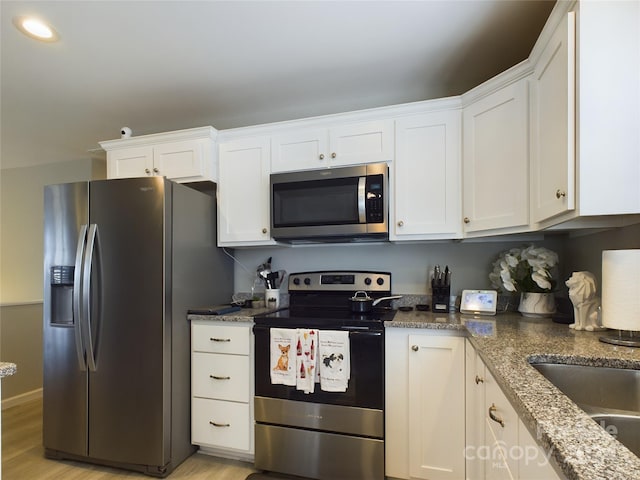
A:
(272, 298)
(440, 296)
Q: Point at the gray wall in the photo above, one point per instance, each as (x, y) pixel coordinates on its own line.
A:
(409, 264)
(21, 343)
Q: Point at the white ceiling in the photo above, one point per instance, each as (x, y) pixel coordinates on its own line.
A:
(165, 65)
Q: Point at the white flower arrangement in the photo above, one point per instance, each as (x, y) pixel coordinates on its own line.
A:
(524, 270)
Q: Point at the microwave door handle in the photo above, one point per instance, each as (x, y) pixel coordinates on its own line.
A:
(362, 193)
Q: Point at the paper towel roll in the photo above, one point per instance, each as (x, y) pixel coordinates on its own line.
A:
(621, 289)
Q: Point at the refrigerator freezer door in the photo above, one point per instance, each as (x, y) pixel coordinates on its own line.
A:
(129, 390)
(64, 371)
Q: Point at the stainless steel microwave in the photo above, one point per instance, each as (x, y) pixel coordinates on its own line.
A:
(334, 204)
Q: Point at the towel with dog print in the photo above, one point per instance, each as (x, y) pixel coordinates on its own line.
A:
(283, 356)
(335, 360)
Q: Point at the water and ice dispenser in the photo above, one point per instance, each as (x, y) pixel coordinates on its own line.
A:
(62, 294)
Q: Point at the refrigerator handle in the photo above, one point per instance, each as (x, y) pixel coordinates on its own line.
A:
(77, 295)
(86, 295)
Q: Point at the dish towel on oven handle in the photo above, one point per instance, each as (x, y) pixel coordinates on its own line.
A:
(335, 360)
(283, 355)
(306, 359)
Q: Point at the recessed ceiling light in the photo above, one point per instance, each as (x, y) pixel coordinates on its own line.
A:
(35, 28)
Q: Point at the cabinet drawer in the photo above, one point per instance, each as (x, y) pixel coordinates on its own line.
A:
(221, 339)
(220, 424)
(223, 377)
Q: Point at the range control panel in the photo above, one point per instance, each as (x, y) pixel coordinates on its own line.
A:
(340, 281)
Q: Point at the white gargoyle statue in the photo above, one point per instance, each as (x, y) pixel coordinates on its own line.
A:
(582, 293)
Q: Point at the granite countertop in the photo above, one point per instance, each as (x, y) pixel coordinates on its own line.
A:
(243, 315)
(582, 449)
(7, 369)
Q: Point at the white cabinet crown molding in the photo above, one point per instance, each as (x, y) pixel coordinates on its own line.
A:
(157, 138)
(327, 121)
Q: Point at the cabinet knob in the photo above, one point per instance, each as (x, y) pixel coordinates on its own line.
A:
(560, 194)
(334, 155)
(155, 170)
(401, 223)
(479, 379)
(415, 348)
(493, 417)
(321, 156)
(147, 171)
(466, 220)
(264, 230)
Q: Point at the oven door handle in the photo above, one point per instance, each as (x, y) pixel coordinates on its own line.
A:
(361, 331)
(353, 330)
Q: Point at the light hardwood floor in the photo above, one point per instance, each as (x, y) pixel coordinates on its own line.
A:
(23, 456)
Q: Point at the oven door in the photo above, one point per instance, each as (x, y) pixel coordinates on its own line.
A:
(366, 383)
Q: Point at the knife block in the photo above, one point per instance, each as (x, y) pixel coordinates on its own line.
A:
(440, 298)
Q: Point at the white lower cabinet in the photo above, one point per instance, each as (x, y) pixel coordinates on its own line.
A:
(424, 405)
(222, 388)
(499, 446)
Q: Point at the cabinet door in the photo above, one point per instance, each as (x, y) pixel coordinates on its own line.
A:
(368, 142)
(130, 162)
(553, 125)
(425, 201)
(496, 160)
(500, 462)
(176, 160)
(303, 150)
(243, 193)
(436, 406)
(475, 413)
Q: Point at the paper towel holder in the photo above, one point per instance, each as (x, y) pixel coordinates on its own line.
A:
(625, 338)
(621, 296)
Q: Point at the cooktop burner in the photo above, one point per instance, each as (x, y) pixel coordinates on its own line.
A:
(320, 299)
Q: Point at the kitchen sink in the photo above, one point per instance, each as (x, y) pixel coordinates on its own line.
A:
(610, 396)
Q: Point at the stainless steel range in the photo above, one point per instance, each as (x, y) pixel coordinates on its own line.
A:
(324, 434)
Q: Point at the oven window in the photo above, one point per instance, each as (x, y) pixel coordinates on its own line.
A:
(366, 385)
(318, 202)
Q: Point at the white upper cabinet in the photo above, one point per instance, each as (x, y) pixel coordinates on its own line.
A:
(553, 125)
(586, 115)
(340, 145)
(425, 183)
(183, 155)
(243, 193)
(496, 161)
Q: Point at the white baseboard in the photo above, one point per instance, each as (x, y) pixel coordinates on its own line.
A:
(22, 398)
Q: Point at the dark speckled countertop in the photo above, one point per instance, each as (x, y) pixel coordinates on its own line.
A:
(7, 369)
(582, 449)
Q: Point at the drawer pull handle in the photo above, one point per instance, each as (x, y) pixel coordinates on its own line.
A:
(479, 380)
(218, 377)
(220, 424)
(220, 339)
(492, 409)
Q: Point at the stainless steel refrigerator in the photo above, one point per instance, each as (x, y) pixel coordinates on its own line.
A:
(123, 260)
